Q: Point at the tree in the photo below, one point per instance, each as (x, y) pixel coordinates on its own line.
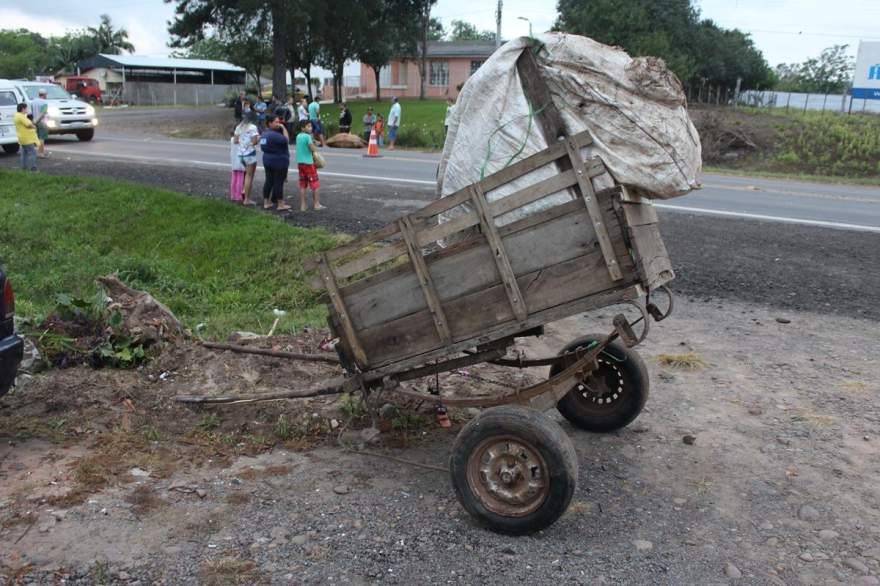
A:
(212, 48)
(22, 54)
(304, 28)
(391, 30)
(108, 40)
(698, 51)
(830, 73)
(341, 39)
(465, 31)
(423, 16)
(436, 32)
(66, 51)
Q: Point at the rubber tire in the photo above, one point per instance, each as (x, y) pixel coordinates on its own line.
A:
(541, 432)
(10, 149)
(85, 135)
(636, 384)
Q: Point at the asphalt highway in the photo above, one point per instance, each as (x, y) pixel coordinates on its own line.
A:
(834, 206)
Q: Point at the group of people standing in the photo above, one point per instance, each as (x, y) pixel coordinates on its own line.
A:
(31, 130)
(272, 132)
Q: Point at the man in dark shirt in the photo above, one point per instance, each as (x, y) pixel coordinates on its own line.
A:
(345, 119)
(238, 105)
(276, 160)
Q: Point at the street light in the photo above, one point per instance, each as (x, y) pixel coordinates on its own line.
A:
(528, 21)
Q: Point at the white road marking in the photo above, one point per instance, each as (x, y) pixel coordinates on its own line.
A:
(822, 223)
(784, 219)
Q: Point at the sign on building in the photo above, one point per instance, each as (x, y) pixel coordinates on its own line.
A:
(866, 84)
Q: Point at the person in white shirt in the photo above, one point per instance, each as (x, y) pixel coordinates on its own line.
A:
(245, 137)
(450, 108)
(393, 122)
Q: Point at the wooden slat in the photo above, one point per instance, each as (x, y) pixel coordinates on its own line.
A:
(538, 94)
(589, 196)
(601, 299)
(425, 281)
(339, 305)
(651, 256)
(470, 267)
(353, 246)
(478, 312)
(490, 231)
(638, 210)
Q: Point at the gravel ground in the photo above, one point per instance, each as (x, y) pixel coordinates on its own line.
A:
(782, 265)
(778, 486)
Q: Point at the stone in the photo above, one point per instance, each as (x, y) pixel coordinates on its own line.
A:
(828, 534)
(370, 435)
(856, 564)
(388, 411)
(766, 526)
(868, 581)
(299, 539)
(806, 557)
(732, 571)
(341, 489)
(278, 533)
(807, 513)
(643, 545)
(783, 320)
(138, 473)
(202, 493)
(689, 439)
(125, 576)
(679, 501)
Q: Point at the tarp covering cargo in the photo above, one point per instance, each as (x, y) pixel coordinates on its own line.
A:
(634, 109)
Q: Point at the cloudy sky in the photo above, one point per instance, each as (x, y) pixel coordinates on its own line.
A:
(785, 30)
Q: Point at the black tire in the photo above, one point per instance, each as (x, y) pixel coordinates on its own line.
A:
(621, 381)
(509, 441)
(85, 135)
(10, 149)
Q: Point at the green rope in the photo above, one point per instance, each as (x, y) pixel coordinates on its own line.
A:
(531, 116)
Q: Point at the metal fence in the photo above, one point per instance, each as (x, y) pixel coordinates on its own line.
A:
(804, 102)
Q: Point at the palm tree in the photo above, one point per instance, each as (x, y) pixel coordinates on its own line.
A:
(108, 40)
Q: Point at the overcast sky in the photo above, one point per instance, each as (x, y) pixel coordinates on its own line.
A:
(785, 30)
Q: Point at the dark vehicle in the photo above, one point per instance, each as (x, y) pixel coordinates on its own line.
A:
(11, 346)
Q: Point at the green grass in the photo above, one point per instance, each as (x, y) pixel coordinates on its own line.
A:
(869, 181)
(210, 261)
(421, 121)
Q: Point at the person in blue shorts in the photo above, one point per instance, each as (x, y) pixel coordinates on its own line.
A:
(315, 119)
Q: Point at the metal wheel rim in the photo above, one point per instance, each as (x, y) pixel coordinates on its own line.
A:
(508, 476)
(605, 387)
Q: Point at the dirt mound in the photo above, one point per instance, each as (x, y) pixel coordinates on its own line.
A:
(729, 136)
(344, 140)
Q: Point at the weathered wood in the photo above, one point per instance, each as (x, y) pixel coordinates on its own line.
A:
(358, 243)
(652, 260)
(614, 295)
(330, 358)
(339, 306)
(471, 314)
(502, 262)
(560, 233)
(425, 281)
(637, 210)
(599, 225)
(540, 99)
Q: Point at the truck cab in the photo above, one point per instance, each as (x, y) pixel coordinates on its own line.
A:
(84, 88)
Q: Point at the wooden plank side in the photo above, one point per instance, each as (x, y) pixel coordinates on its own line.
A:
(599, 224)
(650, 252)
(557, 235)
(472, 314)
(502, 262)
(341, 313)
(639, 214)
(538, 94)
(425, 281)
(615, 295)
(371, 238)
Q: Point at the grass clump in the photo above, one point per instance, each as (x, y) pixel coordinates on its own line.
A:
(689, 361)
(210, 262)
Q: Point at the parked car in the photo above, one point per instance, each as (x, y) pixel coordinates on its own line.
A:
(11, 345)
(66, 114)
(9, 98)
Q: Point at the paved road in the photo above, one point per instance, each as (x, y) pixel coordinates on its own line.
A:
(836, 206)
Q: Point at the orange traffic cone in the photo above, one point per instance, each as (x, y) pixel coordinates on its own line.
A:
(373, 147)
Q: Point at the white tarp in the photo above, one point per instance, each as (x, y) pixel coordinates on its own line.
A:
(635, 110)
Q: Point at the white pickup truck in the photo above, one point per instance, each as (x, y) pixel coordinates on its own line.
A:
(66, 115)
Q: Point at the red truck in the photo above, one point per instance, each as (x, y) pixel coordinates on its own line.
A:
(85, 88)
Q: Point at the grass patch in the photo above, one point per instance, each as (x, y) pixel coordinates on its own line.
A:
(868, 181)
(689, 361)
(212, 263)
(421, 121)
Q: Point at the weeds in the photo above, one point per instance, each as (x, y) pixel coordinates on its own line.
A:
(689, 361)
(208, 422)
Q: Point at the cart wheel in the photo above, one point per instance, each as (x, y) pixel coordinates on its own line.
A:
(514, 469)
(613, 396)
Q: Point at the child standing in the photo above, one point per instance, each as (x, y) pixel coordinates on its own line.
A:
(305, 162)
(26, 131)
(236, 181)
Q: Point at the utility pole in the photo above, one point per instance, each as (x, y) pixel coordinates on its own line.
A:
(498, 26)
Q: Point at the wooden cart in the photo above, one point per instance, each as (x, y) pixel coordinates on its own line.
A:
(403, 307)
